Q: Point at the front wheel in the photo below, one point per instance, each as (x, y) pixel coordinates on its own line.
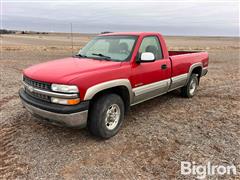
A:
(190, 89)
(106, 116)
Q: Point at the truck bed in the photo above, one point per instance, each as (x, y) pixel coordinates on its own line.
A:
(182, 60)
(175, 53)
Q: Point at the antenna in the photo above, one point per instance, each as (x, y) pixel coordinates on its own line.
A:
(72, 39)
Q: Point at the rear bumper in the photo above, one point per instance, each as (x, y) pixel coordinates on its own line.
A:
(71, 116)
(204, 71)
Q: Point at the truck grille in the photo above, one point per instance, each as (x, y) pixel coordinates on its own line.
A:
(39, 85)
(38, 96)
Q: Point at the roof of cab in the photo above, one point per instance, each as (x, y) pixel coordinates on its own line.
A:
(129, 33)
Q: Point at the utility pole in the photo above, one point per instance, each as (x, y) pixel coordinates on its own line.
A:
(72, 38)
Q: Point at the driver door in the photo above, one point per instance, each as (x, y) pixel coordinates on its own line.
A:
(151, 79)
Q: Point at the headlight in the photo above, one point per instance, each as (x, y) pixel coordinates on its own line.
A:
(65, 101)
(64, 88)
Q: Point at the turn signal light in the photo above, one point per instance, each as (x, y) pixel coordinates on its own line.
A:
(73, 101)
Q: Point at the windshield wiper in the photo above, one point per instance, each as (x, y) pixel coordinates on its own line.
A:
(80, 55)
(101, 55)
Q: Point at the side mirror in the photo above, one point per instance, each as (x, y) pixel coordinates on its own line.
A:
(147, 57)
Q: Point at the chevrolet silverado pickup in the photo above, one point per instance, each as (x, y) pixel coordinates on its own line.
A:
(96, 87)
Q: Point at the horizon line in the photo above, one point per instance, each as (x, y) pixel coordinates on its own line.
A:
(96, 33)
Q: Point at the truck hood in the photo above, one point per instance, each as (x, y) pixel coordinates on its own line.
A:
(64, 70)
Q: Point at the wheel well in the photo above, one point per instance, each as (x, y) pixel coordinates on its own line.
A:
(122, 91)
(198, 71)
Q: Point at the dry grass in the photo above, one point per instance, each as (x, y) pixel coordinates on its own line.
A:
(156, 135)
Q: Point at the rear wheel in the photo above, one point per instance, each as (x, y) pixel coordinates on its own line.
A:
(190, 89)
(106, 116)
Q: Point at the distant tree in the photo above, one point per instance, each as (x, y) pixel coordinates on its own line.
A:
(5, 31)
(105, 32)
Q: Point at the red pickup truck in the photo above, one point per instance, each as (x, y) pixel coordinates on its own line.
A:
(112, 72)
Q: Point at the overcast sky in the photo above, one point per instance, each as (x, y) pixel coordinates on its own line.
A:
(170, 18)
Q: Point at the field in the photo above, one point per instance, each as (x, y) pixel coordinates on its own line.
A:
(156, 135)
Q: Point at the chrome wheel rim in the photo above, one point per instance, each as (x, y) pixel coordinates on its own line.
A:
(193, 86)
(112, 116)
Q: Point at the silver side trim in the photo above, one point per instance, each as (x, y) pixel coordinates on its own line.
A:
(179, 77)
(48, 93)
(150, 87)
(178, 81)
(150, 91)
(199, 64)
(138, 102)
(106, 85)
(78, 119)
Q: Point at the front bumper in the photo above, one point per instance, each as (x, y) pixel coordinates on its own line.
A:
(71, 116)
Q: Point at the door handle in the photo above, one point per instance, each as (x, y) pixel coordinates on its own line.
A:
(164, 66)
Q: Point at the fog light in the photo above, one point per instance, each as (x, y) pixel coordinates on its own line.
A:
(65, 101)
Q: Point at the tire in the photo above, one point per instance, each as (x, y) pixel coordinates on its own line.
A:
(190, 89)
(104, 120)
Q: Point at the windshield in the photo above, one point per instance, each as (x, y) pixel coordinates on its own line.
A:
(117, 48)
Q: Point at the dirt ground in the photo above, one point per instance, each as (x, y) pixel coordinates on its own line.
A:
(156, 135)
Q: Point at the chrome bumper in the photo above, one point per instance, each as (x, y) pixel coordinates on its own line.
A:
(78, 119)
(204, 71)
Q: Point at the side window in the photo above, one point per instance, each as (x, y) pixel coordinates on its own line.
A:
(151, 44)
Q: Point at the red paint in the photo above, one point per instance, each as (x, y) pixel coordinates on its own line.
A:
(86, 72)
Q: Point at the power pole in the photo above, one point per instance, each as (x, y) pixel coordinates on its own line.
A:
(72, 38)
